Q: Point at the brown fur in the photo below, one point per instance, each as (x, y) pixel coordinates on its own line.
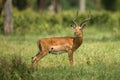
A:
(61, 44)
(66, 44)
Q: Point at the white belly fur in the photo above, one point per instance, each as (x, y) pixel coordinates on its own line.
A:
(57, 50)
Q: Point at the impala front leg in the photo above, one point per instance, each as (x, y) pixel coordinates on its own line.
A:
(70, 55)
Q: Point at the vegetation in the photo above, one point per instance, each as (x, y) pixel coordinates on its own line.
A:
(109, 5)
(42, 24)
(98, 57)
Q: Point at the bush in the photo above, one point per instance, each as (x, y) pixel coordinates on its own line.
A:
(101, 19)
(1, 25)
(20, 4)
(109, 4)
(30, 22)
(14, 69)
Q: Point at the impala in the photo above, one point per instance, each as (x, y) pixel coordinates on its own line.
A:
(57, 45)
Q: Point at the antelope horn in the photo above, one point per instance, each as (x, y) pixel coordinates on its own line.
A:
(74, 21)
(75, 18)
(89, 17)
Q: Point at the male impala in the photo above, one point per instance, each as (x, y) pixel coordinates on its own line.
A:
(58, 45)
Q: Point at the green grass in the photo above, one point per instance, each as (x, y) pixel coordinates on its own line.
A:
(98, 58)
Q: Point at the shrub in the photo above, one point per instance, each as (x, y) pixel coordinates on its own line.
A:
(20, 4)
(1, 24)
(14, 69)
(30, 22)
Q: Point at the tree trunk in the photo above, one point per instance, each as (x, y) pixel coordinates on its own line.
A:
(97, 5)
(8, 21)
(82, 5)
(55, 6)
(40, 4)
(2, 2)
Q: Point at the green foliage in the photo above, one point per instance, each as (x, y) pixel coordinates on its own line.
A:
(20, 4)
(1, 24)
(32, 3)
(109, 4)
(71, 3)
(30, 22)
(98, 58)
(51, 23)
(118, 5)
(14, 69)
(105, 18)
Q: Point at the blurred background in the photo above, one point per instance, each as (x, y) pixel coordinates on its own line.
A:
(23, 22)
(54, 16)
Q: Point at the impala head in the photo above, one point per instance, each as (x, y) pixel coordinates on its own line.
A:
(78, 28)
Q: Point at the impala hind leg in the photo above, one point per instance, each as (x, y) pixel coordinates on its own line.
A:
(33, 61)
(38, 57)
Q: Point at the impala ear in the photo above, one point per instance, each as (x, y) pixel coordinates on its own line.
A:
(73, 26)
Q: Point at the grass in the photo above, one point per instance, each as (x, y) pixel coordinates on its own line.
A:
(98, 58)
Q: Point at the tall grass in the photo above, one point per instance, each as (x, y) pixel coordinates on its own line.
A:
(97, 58)
(92, 61)
(14, 69)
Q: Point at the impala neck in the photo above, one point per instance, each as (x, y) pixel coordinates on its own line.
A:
(79, 38)
(78, 41)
